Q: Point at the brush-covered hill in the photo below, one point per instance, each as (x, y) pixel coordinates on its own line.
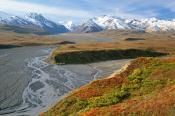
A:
(146, 87)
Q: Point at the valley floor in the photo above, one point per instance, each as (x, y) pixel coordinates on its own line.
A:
(26, 79)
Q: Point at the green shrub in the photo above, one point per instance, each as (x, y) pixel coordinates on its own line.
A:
(113, 97)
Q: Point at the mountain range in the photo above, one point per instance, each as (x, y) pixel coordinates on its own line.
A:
(38, 24)
(113, 23)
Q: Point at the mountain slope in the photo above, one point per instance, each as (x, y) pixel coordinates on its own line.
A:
(89, 26)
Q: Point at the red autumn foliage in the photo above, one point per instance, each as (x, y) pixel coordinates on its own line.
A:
(158, 105)
(98, 87)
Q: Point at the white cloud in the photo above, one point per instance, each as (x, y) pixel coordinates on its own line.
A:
(125, 8)
(170, 5)
(17, 6)
(143, 14)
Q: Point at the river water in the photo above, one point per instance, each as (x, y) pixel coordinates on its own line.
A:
(29, 85)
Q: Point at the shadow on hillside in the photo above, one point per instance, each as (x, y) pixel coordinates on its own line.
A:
(83, 57)
(8, 46)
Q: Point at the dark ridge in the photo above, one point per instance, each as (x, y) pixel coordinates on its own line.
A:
(134, 39)
(8, 46)
(66, 42)
(83, 57)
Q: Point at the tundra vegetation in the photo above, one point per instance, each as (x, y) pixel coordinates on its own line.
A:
(146, 87)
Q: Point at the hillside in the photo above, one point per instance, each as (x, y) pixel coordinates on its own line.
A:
(146, 87)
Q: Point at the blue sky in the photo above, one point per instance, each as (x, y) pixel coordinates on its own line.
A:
(80, 10)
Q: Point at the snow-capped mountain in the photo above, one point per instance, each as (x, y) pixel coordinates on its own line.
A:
(69, 25)
(8, 19)
(114, 23)
(38, 24)
(32, 22)
(89, 26)
(110, 22)
(45, 24)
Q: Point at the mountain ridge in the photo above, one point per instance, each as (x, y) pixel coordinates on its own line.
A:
(36, 23)
(116, 23)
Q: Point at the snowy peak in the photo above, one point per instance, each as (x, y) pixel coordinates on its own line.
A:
(69, 25)
(107, 22)
(112, 23)
(39, 20)
(35, 16)
(50, 26)
(89, 26)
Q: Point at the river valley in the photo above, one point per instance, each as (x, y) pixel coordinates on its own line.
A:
(29, 85)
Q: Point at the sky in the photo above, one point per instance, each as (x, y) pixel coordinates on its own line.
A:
(81, 10)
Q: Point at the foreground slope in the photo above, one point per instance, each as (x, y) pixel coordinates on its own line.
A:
(146, 87)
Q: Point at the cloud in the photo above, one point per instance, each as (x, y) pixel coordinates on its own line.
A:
(84, 9)
(143, 14)
(125, 8)
(170, 5)
(18, 6)
(135, 13)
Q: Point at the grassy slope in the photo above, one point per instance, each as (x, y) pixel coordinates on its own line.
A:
(146, 87)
